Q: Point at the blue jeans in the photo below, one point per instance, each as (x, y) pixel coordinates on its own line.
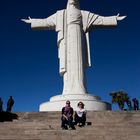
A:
(65, 122)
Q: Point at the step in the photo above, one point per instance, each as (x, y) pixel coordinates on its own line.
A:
(106, 125)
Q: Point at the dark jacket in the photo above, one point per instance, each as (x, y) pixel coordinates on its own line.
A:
(68, 112)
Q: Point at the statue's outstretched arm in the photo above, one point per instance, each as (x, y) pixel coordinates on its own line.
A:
(97, 21)
(42, 24)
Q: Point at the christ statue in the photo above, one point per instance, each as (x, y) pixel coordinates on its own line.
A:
(73, 26)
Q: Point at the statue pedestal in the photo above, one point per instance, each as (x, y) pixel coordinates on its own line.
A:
(91, 102)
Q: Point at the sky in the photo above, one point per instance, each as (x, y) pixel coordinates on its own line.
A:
(29, 68)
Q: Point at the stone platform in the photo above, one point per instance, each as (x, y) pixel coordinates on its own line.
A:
(105, 125)
(91, 102)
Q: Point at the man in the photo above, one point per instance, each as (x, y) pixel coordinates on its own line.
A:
(10, 104)
(67, 116)
(136, 104)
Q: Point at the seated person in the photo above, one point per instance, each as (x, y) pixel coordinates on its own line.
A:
(67, 116)
(80, 114)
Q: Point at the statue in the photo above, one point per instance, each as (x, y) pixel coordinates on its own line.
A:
(73, 26)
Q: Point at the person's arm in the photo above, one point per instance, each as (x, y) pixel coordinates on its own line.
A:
(42, 24)
(85, 111)
(63, 113)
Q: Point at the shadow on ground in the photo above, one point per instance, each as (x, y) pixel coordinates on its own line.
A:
(7, 116)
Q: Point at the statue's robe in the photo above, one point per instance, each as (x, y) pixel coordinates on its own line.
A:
(73, 71)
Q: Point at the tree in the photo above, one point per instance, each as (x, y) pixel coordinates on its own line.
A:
(119, 97)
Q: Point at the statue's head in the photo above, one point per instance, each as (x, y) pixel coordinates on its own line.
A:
(74, 3)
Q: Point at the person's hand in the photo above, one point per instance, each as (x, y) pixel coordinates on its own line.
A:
(120, 17)
(65, 117)
(29, 20)
(70, 115)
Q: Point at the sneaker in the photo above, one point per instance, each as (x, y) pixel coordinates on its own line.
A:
(62, 128)
(70, 128)
(77, 124)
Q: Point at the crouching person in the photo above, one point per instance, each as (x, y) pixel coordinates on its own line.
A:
(80, 115)
(67, 116)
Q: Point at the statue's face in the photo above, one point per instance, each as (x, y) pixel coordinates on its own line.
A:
(72, 2)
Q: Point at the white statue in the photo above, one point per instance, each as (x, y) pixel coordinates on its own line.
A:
(73, 26)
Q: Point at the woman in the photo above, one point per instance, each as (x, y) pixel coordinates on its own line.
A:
(80, 114)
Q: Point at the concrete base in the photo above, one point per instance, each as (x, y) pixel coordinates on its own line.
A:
(91, 102)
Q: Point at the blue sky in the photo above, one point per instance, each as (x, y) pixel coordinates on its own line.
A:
(29, 60)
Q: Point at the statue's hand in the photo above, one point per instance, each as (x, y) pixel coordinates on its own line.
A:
(120, 17)
(29, 20)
